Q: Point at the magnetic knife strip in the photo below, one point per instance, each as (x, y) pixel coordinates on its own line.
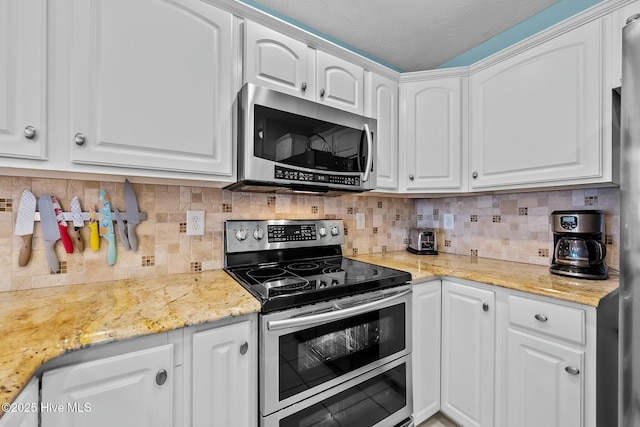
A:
(68, 216)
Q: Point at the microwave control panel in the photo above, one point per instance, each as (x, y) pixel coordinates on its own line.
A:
(323, 178)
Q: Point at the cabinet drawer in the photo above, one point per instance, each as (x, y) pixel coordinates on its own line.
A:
(547, 318)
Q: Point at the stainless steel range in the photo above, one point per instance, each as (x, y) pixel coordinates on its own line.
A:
(335, 333)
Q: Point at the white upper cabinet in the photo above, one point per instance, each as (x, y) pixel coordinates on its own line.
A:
(151, 85)
(431, 135)
(383, 104)
(280, 62)
(23, 76)
(536, 117)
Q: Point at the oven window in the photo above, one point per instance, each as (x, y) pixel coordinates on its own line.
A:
(365, 404)
(305, 142)
(312, 356)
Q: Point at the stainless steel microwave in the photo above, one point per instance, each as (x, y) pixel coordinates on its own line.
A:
(285, 143)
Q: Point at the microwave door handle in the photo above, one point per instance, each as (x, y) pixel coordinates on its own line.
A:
(367, 169)
(330, 316)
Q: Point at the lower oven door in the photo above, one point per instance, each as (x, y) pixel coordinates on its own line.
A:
(381, 397)
(311, 349)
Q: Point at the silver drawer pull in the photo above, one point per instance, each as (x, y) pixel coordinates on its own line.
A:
(572, 370)
(541, 317)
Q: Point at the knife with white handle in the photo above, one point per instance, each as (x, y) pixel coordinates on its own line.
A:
(24, 226)
(50, 231)
(78, 223)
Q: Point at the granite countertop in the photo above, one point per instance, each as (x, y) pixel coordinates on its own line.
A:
(529, 278)
(40, 324)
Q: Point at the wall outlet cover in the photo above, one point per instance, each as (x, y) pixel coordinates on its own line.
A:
(195, 223)
(447, 220)
(360, 222)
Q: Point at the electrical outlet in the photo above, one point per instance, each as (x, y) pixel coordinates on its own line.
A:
(360, 221)
(447, 220)
(195, 223)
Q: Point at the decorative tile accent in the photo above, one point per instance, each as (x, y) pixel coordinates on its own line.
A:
(405, 241)
(227, 208)
(271, 200)
(384, 249)
(196, 266)
(314, 209)
(523, 211)
(6, 205)
(496, 218)
(474, 252)
(608, 239)
(543, 253)
(591, 200)
(63, 268)
(420, 217)
(346, 231)
(397, 217)
(148, 260)
(375, 230)
(473, 218)
(436, 214)
(379, 205)
(354, 251)
(183, 227)
(350, 211)
(447, 243)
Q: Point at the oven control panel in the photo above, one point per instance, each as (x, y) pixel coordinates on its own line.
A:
(262, 235)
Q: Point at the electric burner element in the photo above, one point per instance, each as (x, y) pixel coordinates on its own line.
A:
(284, 271)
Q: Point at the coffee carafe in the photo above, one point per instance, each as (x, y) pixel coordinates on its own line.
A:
(578, 248)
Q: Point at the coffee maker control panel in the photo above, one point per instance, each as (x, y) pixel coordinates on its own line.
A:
(568, 222)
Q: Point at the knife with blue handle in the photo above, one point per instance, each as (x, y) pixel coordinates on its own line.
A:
(106, 226)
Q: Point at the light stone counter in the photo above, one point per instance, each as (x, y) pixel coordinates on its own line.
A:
(530, 278)
(38, 325)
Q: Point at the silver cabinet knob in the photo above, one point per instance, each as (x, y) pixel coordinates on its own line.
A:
(474, 175)
(244, 347)
(29, 132)
(541, 317)
(79, 138)
(322, 92)
(161, 377)
(571, 370)
(485, 307)
(303, 86)
(411, 177)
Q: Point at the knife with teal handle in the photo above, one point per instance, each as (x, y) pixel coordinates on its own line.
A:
(106, 226)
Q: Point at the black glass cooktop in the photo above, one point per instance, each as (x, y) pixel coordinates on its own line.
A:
(289, 284)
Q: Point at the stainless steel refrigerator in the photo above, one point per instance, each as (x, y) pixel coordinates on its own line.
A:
(629, 380)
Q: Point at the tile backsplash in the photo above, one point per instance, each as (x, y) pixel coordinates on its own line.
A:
(512, 227)
(515, 227)
(164, 247)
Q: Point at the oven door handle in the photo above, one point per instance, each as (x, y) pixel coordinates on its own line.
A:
(339, 314)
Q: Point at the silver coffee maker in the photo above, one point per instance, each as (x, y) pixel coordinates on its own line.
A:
(578, 248)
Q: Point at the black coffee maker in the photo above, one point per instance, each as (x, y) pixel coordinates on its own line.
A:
(578, 248)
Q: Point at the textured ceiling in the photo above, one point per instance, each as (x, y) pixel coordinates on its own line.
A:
(409, 35)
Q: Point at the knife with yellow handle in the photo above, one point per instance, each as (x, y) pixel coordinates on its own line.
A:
(93, 226)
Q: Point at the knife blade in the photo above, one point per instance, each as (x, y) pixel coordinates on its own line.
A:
(50, 231)
(106, 226)
(133, 215)
(94, 238)
(122, 234)
(78, 223)
(24, 226)
(62, 223)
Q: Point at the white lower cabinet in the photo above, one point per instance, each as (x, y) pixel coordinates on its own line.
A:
(468, 353)
(225, 387)
(23, 412)
(132, 389)
(425, 353)
(544, 382)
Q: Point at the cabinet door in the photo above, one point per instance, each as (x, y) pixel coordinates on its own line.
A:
(425, 353)
(128, 390)
(24, 411)
(536, 117)
(340, 83)
(225, 385)
(468, 341)
(151, 85)
(278, 62)
(384, 108)
(431, 135)
(23, 76)
(544, 382)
